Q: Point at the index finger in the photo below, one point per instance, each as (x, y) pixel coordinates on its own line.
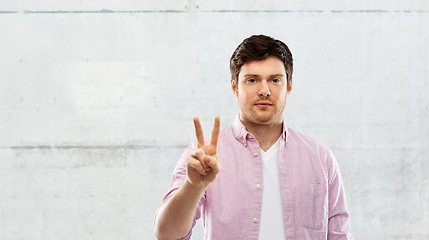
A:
(215, 132)
(199, 132)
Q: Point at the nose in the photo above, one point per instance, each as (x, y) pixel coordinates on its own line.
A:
(264, 91)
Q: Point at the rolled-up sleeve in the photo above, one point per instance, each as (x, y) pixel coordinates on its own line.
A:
(338, 215)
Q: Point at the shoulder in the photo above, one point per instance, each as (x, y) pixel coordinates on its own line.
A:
(227, 130)
(306, 143)
(314, 151)
(226, 133)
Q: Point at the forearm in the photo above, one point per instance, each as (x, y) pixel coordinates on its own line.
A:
(175, 216)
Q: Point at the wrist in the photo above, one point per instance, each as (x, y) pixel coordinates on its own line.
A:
(193, 188)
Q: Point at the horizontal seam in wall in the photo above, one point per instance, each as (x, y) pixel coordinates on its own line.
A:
(208, 11)
(92, 147)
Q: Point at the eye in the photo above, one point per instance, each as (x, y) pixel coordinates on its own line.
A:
(276, 80)
(251, 80)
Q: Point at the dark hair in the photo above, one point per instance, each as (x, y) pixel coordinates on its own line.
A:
(259, 47)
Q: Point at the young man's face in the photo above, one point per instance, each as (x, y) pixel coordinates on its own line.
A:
(262, 91)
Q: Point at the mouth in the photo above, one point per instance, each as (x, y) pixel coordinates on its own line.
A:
(263, 104)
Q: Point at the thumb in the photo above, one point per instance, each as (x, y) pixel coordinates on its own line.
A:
(213, 163)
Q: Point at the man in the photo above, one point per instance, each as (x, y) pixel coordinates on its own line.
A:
(275, 183)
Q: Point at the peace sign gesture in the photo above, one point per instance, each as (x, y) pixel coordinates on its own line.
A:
(203, 163)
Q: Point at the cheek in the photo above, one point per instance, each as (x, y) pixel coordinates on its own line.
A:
(244, 100)
(282, 95)
(241, 98)
(242, 93)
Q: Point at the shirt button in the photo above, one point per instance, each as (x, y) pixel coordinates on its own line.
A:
(255, 154)
(244, 141)
(255, 220)
(258, 186)
(250, 136)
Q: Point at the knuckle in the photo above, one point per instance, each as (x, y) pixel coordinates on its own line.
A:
(194, 165)
(191, 161)
(199, 153)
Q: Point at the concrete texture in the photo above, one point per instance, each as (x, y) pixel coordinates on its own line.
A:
(97, 100)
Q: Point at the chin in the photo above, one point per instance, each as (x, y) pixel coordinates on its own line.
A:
(263, 120)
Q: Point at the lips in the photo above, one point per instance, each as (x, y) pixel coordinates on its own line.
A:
(263, 104)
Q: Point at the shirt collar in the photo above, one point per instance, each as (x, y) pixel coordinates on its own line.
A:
(241, 134)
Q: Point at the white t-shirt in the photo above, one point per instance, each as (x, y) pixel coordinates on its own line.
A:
(271, 224)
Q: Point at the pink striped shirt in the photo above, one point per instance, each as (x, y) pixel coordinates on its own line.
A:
(312, 191)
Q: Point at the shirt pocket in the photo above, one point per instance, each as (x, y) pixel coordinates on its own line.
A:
(312, 205)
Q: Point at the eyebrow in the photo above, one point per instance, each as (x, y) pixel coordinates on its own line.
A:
(256, 75)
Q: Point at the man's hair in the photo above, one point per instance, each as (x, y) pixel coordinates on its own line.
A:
(260, 47)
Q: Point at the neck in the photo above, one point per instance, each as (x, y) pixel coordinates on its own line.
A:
(266, 134)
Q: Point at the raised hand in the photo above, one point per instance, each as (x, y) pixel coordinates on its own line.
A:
(203, 163)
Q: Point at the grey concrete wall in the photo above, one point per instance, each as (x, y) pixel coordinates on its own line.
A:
(97, 100)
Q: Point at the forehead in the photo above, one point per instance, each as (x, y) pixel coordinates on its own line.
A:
(266, 67)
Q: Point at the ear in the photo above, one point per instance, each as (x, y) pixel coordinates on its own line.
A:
(234, 87)
(289, 86)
